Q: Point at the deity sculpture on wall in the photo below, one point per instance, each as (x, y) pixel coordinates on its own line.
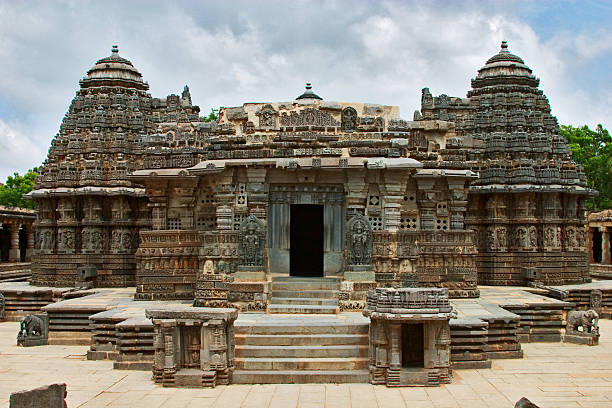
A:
(349, 119)
(359, 241)
(267, 117)
(251, 242)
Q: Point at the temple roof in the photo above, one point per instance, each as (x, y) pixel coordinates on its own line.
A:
(114, 71)
(504, 68)
(308, 94)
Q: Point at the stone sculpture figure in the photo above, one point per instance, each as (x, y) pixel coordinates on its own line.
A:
(251, 242)
(359, 240)
(596, 300)
(31, 331)
(267, 117)
(587, 319)
(349, 119)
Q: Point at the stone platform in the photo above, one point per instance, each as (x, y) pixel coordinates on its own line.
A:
(21, 298)
(581, 295)
(15, 271)
(552, 375)
(305, 348)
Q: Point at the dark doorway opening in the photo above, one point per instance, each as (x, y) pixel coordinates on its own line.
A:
(306, 240)
(5, 242)
(597, 238)
(23, 244)
(412, 345)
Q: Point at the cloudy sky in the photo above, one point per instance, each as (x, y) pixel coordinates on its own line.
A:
(230, 52)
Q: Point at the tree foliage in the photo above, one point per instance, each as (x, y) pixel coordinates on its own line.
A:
(15, 187)
(593, 149)
(213, 115)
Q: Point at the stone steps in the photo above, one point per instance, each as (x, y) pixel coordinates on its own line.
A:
(303, 309)
(300, 377)
(302, 363)
(304, 295)
(307, 294)
(301, 339)
(304, 301)
(277, 349)
(301, 328)
(311, 351)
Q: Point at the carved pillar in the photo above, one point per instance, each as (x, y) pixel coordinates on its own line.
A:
(169, 329)
(30, 240)
(256, 192)
(14, 252)
(224, 198)
(590, 233)
(606, 258)
(393, 200)
(356, 192)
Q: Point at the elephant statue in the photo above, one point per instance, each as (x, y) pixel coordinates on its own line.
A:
(30, 326)
(587, 319)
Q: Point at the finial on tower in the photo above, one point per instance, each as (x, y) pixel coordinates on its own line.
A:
(115, 49)
(504, 45)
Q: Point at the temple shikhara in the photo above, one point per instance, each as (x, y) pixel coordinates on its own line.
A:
(313, 207)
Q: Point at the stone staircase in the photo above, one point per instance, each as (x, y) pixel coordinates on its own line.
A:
(284, 349)
(304, 295)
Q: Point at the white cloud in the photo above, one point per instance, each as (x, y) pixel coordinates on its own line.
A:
(236, 52)
(19, 152)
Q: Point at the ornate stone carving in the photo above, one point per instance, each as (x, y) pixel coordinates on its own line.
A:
(349, 119)
(308, 117)
(65, 240)
(596, 300)
(251, 242)
(33, 330)
(399, 320)
(588, 320)
(359, 241)
(268, 117)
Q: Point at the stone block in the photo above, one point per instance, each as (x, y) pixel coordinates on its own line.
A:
(49, 396)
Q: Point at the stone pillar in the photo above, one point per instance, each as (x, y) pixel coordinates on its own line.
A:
(14, 252)
(590, 232)
(356, 192)
(30, 241)
(169, 329)
(393, 194)
(606, 258)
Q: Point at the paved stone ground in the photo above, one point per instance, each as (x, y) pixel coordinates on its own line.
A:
(551, 375)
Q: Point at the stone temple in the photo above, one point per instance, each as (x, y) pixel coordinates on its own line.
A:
(139, 191)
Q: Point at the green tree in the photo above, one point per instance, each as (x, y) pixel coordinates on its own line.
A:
(593, 149)
(15, 187)
(213, 115)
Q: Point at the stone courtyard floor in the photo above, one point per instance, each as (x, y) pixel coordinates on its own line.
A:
(550, 374)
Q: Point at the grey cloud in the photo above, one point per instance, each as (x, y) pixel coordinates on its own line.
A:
(241, 51)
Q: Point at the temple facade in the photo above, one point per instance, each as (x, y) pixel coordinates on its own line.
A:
(140, 191)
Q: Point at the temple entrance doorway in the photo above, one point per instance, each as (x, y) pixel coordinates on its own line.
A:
(306, 240)
(412, 345)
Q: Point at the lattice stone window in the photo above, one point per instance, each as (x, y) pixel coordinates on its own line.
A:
(206, 222)
(376, 223)
(442, 224)
(174, 223)
(241, 197)
(409, 198)
(207, 199)
(409, 223)
(238, 218)
(442, 209)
